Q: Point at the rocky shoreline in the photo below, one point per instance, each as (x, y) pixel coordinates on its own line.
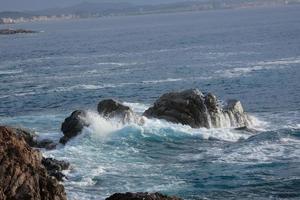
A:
(26, 174)
(16, 31)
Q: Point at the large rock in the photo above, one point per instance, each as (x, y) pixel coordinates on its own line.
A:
(141, 196)
(191, 107)
(73, 125)
(22, 175)
(110, 108)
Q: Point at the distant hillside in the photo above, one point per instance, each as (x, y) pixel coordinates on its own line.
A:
(85, 10)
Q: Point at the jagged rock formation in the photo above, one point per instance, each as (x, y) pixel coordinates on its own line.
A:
(191, 107)
(22, 174)
(141, 196)
(73, 125)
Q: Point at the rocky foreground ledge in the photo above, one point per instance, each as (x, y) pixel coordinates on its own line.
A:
(15, 31)
(22, 174)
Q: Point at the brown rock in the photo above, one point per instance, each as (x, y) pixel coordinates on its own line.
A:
(22, 175)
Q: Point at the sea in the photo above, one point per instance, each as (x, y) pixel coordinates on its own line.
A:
(250, 54)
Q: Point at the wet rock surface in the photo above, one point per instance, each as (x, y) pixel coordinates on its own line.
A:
(73, 125)
(22, 174)
(55, 167)
(191, 107)
(141, 196)
(111, 108)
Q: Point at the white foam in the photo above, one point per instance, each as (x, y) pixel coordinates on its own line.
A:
(265, 65)
(284, 61)
(263, 152)
(8, 72)
(162, 80)
(116, 63)
(100, 126)
(137, 107)
(82, 87)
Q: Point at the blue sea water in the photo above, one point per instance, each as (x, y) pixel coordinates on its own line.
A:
(249, 54)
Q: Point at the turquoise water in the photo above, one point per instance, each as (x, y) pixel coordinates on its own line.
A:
(251, 54)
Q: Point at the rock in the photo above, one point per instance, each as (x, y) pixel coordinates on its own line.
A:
(141, 196)
(191, 107)
(11, 31)
(235, 112)
(29, 136)
(32, 139)
(46, 144)
(73, 125)
(110, 108)
(22, 175)
(55, 167)
(186, 107)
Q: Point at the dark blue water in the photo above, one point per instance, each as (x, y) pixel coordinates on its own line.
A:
(251, 54)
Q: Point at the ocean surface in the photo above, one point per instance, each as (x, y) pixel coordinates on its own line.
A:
(250, 54)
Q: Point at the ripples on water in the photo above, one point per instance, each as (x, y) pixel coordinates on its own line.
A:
(252, 55)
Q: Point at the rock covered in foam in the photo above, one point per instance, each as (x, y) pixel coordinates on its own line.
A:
(110, 108)
(141, 196)
(191, 107)
(22, 174)
(73, 125)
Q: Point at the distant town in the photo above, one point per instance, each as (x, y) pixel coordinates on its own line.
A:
(93, 10)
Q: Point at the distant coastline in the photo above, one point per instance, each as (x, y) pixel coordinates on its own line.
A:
(95, 10)
(14, 31)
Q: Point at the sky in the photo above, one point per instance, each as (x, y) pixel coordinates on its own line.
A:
(23, 5)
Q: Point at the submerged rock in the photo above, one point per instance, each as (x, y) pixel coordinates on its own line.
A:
(191, 107)
(73, 125)
(141, 196)
(110, 108)
(22, 175)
